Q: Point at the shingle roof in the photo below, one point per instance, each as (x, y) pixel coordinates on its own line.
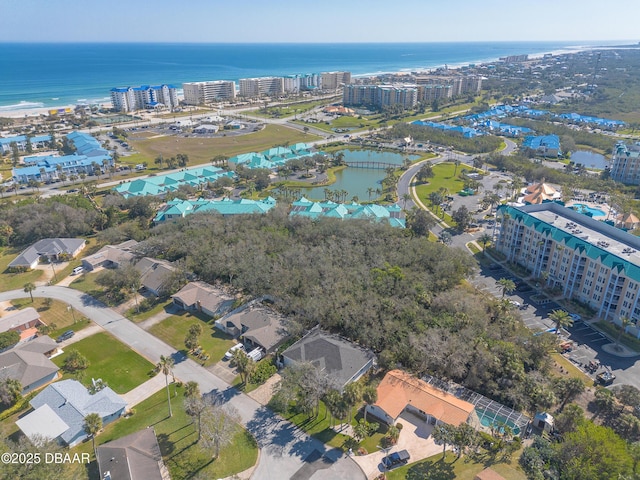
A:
(134, 457)
(154, 273)
(117, 254)
(19, 318)
(337, 358)
(261, 325)
(27, 363)
(46, 246)
(204, 295)
(399, 389)
(71, 401)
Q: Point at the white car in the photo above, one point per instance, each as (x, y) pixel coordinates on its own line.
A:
(575, 317)
(229, 354)
(515, 304)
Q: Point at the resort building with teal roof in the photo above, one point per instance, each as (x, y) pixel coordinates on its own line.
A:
(389, 213)
(271, 158)
(163, 184)
(590, 261)
(175, 209)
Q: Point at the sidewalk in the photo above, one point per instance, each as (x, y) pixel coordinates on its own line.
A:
(144, 391)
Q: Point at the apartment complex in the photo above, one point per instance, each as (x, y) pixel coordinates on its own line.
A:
(201, 93)
(380, 95)
(591, 261)
(625, 167)
(129, 99)
(334, 80)
(256, 87)
(454, 85)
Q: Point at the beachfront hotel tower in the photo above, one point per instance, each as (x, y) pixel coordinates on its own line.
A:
(256, 87)
(202, 93)
(144, 97)
(583, 259)
(625, 167)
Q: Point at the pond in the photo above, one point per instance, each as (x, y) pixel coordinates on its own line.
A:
(589, 159)
(365, 172)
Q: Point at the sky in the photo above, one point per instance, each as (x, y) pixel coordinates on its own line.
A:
(320, 21)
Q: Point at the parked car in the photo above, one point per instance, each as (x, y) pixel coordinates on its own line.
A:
(495, 266)
(515, 304)
(396, 458)
(229, 354)
(77, 270)
(65, 336)
(575, 317)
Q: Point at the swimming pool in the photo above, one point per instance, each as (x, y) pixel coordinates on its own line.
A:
(582, 208)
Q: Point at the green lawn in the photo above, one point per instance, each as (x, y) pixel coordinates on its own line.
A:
(318, 427)
(58, 314)
(177, 439)
(202, 150)
(87, 283)
(174, 329)
(139, 317)
(11, 281)
(289, 110)
(112, 361)
(614, 331)
(444, 178)
(437, 468)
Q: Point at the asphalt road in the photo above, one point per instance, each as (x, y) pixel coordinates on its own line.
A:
(284, 448)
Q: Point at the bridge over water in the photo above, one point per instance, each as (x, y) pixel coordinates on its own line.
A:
(373, 165)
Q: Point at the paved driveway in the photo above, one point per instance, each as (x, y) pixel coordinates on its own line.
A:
(286, 451)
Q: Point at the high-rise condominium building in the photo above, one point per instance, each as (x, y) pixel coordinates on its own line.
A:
(334, 80)
(586, 259)
(256, 87)
(201, 93)
(380, 95)
(129, 99)
(626, 163)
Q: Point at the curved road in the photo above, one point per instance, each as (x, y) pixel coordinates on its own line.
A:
(285, 450)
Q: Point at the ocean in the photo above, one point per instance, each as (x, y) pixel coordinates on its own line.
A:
(48, 75)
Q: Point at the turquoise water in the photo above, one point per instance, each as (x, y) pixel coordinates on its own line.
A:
(55, 74)
(357, 181)
(589, 159)
(596, 212)
(487, 420)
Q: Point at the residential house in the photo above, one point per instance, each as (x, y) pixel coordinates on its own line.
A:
(399, 391)
(21, 142)
(25, 322)
(47, 250)
(177, 208)
(154, 274)
(342, 361)
(540, 192)
(202, 297)
(489, 474)
(60, 410)
(134, 457)
(111, 256)
(391, 214)
(28, 362)
(257, 325)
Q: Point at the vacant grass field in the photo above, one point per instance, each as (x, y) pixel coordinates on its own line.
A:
(437, 468)
(58, 313)
(112, 361)
(174, 329)
(444, 178)
(289, 109)
(202, 150)
(177, 439)
(11, 281)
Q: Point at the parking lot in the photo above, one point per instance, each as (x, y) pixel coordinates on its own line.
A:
(587, 342)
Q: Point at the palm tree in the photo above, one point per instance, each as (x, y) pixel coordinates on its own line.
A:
(165, 365)
(352, 396)
(369, 396)
(443, 434)
(29, 288)
(92, 425)
(370, 191)
(191, 390)
(507, 286)
(561, 319)
(484, 239)
(405, 198)
(456, 162)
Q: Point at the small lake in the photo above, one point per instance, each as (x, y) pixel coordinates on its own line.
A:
(589, 159)
(356, 181)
